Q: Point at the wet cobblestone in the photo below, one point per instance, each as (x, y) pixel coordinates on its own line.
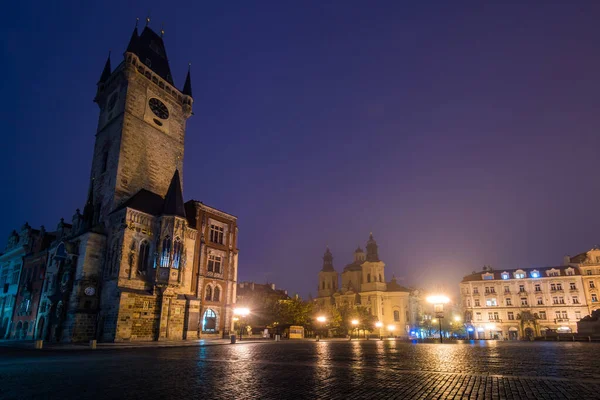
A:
(323, 370)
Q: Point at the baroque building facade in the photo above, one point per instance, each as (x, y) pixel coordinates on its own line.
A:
(139, 263)
(363, 284)
(523, 303)
(588, 264)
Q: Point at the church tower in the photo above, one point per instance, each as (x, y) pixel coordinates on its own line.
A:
(328, 277)
(141, 126)
(373, 276)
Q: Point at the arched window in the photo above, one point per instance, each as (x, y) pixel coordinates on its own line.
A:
(217, 294)
(143, 256)
(166, 252)
(368, 278)
(380, 278)
(177, 249)
(323, 284)
(396, 315)
(209, 321)
(208, 293)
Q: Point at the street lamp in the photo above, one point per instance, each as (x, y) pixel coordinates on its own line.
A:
(355, 326)
(391, 328)
(242, 312)
(491, 327)
(321, 319)
(379, 325)
(438, 302)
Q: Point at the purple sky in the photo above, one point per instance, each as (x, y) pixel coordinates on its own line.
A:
(460, 133)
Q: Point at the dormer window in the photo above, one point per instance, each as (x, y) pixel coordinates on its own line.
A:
(553, 272)
(487, 276)
(505, 275)
(520, 274)
(569, 271)
(535, 273)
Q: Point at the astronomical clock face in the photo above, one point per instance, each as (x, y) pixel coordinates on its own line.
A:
(158, 108)
(90, 291)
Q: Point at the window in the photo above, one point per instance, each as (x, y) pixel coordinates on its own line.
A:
(104, 162)
(570, 272)
(535, 274)
(564, 315)
(508, 301)
(572, 286)
(505, 275)
(575, 300)
(559, 286)
(511, 315)
(594, 297)
(214, 263)
(166, 252)
(588, 272)
(553, 286)
(523, 301)
(506, 289)
(177, 249)
(592, 285)
(208, 295)
(217, 294)
(396, 315)
(522, 288)
(475, 290)
(538, 288)
(487, 290)
(209, 321)
(540, 301)
(554, 273)
(380, 278)
(368, 278)
(468, 302)
(477, 304)
(578, 315)
(557, 315)
(520, 275)
(488, 277)
(478, 316)
(558, 300)
(216, 234)
(542, 314)
(491, 303)
(143, 256)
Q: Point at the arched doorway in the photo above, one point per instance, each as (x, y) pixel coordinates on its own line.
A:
(25, 330)
(40, 329)
(513, 333)
(529, 333)
(18, 330)
(209, 321)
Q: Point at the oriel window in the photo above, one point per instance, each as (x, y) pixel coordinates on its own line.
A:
(216, 234)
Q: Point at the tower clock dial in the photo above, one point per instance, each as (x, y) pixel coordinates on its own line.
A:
(158, 108)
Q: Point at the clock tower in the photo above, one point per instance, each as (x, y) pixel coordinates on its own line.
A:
(141, 126)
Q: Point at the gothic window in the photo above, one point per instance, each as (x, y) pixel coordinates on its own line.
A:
(177, 249)
(209, 321)
(216, 294)
(214, 264)
(166, 252)
(208, 295)
(143, 256)
(216, 234)
(368, 277)
(396, 315)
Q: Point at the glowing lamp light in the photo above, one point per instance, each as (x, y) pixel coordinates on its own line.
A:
(479, 329)
(535, 274)
(490, 327)
(434, 320)
(354, 322)
(235, 319)
(391, 328)
(457, 318)
(241, 311)
(470, 329)
(378, 324)
(321, 319)
(439, 299)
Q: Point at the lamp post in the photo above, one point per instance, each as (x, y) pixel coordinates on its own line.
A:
(321, 319)
(438, 302)
(241, 313)
(379, 325)
(354, 326)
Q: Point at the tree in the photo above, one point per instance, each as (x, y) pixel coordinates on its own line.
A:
(293, 312)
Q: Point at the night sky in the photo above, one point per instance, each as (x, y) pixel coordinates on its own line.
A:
(460, 133)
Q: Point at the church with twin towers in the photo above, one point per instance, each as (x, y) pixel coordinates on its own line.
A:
(139, 263)
(363, 283)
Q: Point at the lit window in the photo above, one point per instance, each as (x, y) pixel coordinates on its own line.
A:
(491, 303)
(505, 275)
(166, 252)
(214, 264)
(209, 321)
(177, 249)
(520, 275)
(216, 234)
(535, 274)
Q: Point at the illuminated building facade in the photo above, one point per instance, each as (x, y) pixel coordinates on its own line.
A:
(588, 264)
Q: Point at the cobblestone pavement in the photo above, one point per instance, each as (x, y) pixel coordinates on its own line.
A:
(312, 370)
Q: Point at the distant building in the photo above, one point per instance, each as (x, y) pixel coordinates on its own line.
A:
(363, 283)
(524, 302)
(260, 299)
(588, 264)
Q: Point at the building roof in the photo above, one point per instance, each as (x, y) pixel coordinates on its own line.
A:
(106, 71)
(478, 276)
(353, 267)
(579, 258)
(393, 286)
(173, 204)
(187, 86)
(145, 201)
(150, 49)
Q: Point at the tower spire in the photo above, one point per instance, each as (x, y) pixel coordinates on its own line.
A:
(372, 252)
(132, 46)
(106, 71)
(187, 87)
(174, 198)
(327, 260)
